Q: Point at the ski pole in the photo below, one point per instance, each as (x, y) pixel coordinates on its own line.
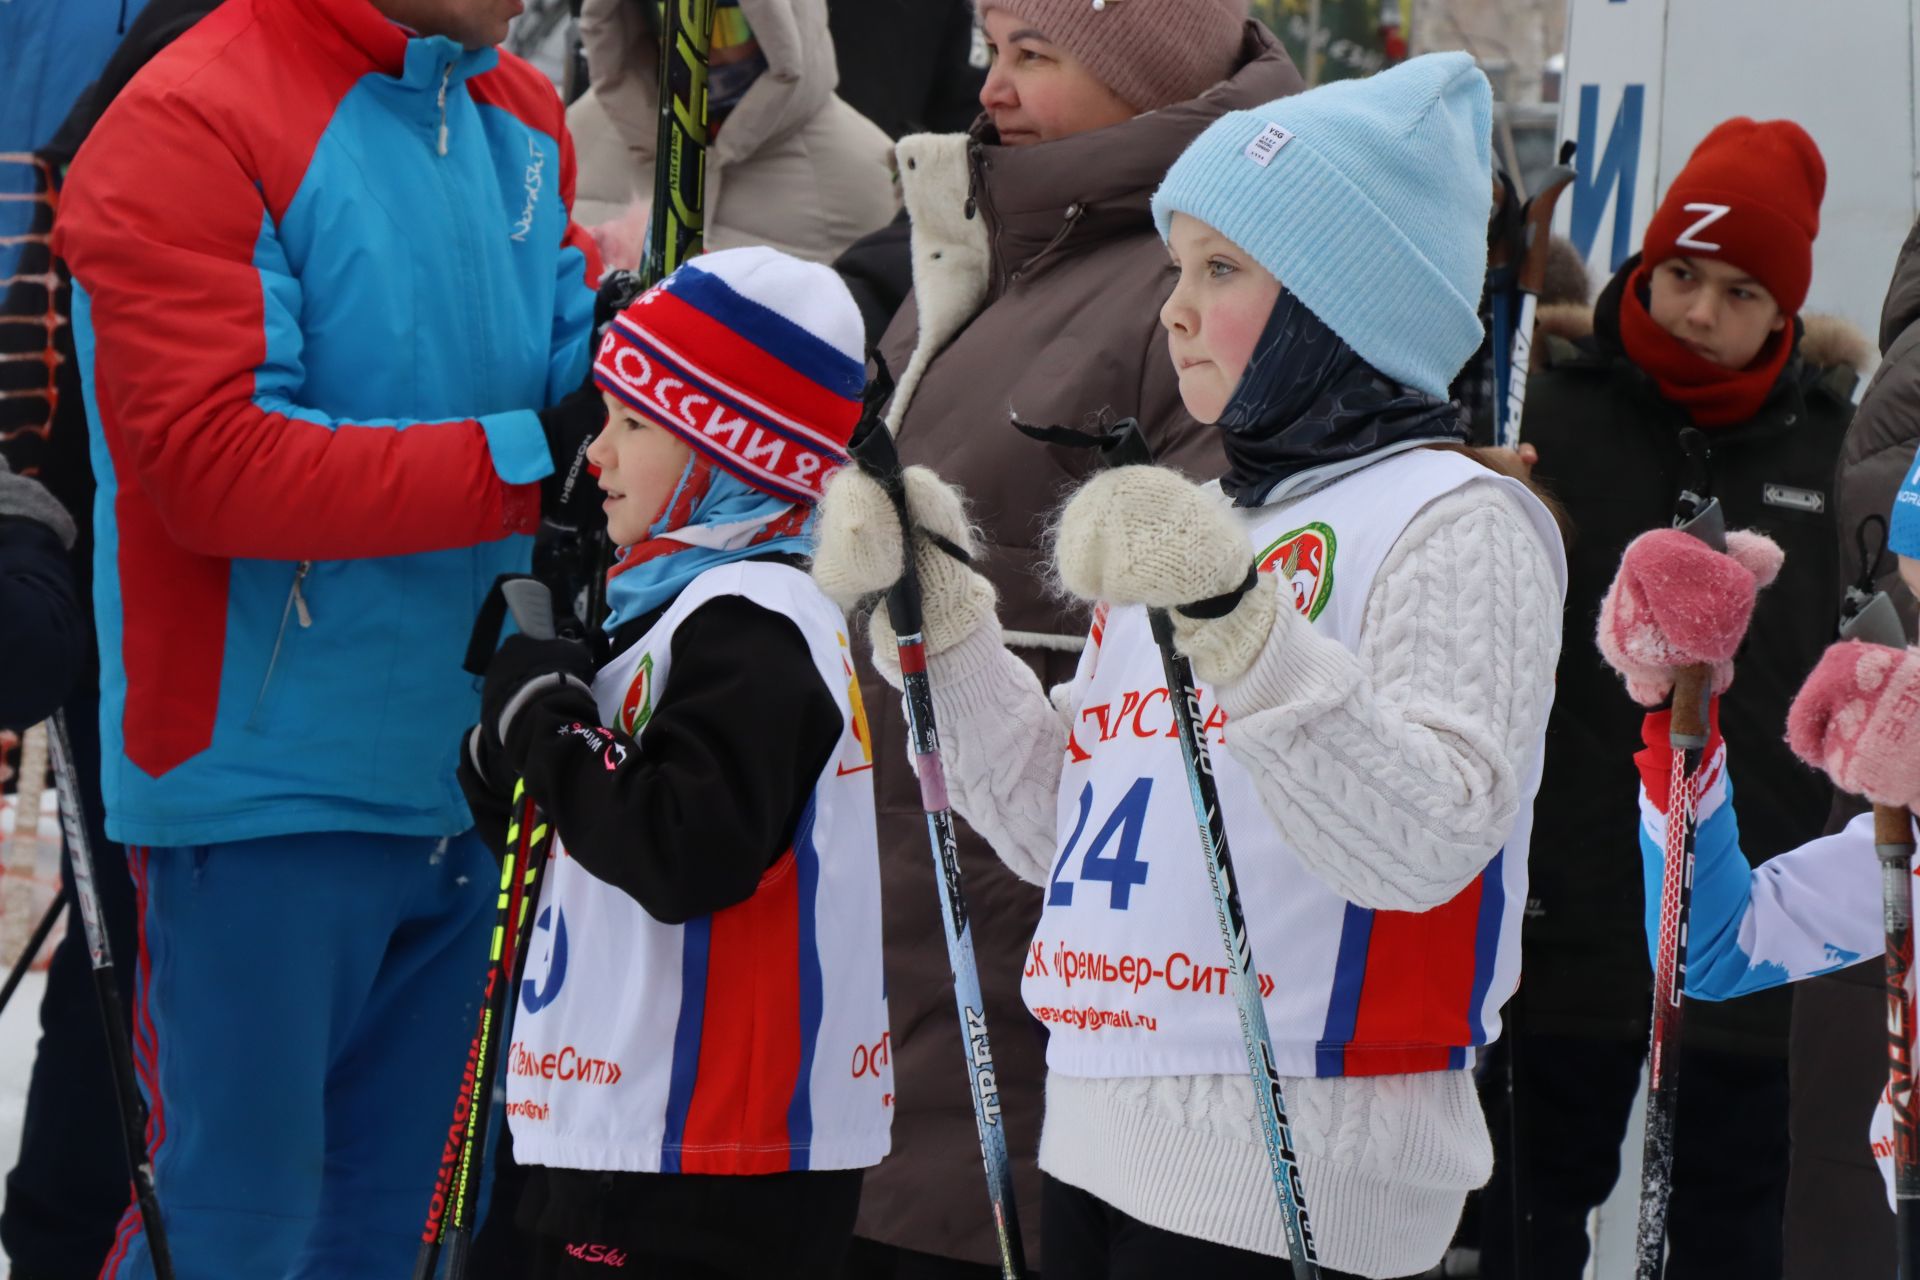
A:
(1893, 844)
(106, 987)
(1687, 736)
(38, 940)
(1124, 445)
(1537, 218)
(676, 226)
(874, 452)
(456, 1189)
(1872, 618)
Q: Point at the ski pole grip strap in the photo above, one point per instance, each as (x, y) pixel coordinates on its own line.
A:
(1691, 686)
(952, 549)
(1223, 604)
(1121, 445)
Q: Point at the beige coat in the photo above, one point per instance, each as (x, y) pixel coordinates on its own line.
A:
(794, 166)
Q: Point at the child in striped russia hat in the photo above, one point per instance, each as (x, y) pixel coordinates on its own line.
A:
(684, 1010)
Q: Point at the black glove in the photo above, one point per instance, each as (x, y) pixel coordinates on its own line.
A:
(617, 291)
(569, 498)
(521, 671)
(488, 788)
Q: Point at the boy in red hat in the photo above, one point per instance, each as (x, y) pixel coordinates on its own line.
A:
(1696, 372)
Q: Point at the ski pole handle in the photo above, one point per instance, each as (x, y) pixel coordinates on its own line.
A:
(1892, 827)
(531, 605)
(881, 460)
(1692, 687)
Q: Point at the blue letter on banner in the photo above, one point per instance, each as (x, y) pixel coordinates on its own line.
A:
(1618, 168)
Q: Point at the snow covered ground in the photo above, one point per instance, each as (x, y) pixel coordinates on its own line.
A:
(19, 1033)
(37, 869)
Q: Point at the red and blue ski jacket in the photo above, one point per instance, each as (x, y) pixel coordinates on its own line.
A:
(324, 275)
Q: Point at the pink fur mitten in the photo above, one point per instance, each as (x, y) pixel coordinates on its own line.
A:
(1677, 603)
(1858, 718)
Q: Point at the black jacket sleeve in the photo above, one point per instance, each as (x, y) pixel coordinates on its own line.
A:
(688, 819)
(43, 640)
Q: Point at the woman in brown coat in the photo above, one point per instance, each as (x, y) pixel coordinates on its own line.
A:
(1038, 281)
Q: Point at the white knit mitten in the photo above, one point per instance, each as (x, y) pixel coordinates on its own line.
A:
(857, 555)
(1145, 535)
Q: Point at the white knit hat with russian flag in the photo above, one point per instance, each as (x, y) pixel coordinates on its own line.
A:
(751, 356)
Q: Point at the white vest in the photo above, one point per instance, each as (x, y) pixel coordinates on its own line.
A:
(1127, 968)
(750, 1041)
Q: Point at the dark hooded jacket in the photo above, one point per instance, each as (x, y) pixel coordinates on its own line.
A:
(1610, 451)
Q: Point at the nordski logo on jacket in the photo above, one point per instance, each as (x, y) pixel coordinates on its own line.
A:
(535, 179)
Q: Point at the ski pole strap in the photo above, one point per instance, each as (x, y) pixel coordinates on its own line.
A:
(1121, 445)
(948, 546)
(871, 447)
(1223, 604)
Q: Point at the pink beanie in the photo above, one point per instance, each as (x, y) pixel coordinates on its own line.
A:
(1151, 53)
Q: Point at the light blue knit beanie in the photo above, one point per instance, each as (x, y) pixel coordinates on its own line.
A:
(1369, 200)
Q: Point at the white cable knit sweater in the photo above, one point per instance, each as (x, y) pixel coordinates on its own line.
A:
(1438, 716)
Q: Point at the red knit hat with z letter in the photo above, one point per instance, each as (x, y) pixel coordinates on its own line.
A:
(1749, 196)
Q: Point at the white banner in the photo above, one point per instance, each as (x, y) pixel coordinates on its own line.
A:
(1647, 79)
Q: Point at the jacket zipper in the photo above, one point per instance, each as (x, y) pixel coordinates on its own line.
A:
(978, 200)
(1069, 221)
(445, 77)
(296, 607)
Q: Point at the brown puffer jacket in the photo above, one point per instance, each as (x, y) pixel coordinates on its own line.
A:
(1039, 295)
(1837, 1222)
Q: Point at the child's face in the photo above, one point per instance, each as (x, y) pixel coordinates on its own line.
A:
(639, 464)
(1215, 317)
(1036, 91)
(1717, 310)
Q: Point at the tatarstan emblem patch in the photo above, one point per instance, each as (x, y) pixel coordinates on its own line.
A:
(637, 707)
(1303, 561)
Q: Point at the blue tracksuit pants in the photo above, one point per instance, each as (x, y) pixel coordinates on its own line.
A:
(302, 1007)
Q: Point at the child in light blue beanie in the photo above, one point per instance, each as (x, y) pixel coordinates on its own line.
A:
(1368, 199)
(1373, 624)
